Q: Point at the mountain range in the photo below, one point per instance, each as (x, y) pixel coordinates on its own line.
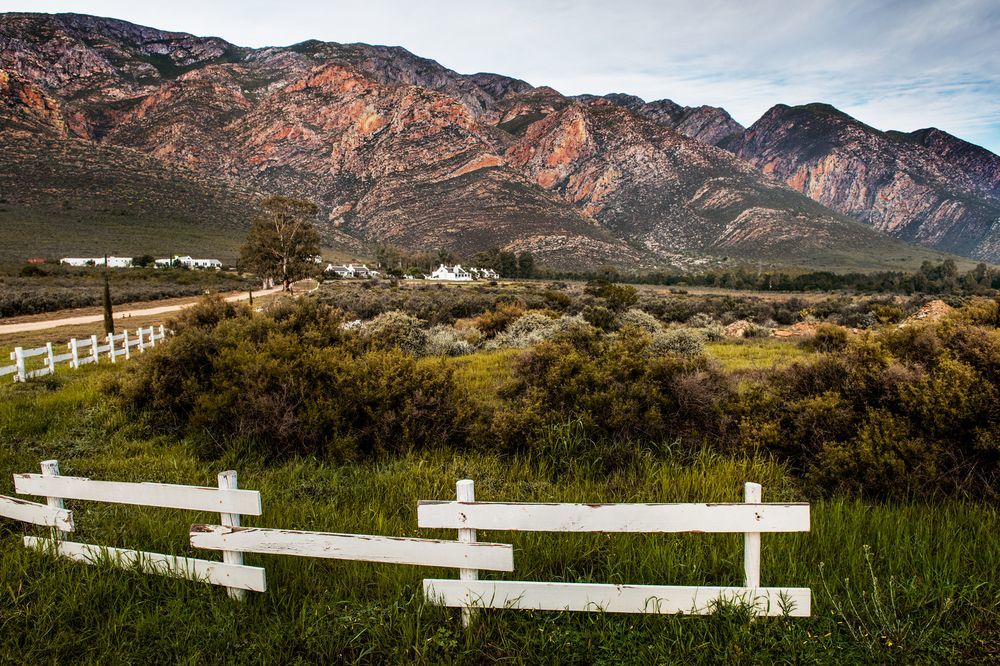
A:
(114, 133)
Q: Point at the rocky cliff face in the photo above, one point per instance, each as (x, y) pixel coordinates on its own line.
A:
(927, 187)
(397, 148)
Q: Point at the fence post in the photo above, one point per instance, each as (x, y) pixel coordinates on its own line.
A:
(128, 354)
(93, 349)
(163, 333)
(74, 362)
(111, 348)
(22, 375)
(50, 359)
(51, 468)
(152, 336)
(751, 540)
(142, 341)
(227, 480)
(465, 491)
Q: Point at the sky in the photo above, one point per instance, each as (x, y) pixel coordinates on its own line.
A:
(894, 64)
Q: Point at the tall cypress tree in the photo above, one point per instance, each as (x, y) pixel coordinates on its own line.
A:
(109, 321)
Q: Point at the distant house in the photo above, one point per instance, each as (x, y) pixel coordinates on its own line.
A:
(36, 260)
(484, 274)
(188, 262)
(113, 262)
(453, 273)
(352, 271)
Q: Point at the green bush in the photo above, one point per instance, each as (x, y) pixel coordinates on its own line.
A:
(291, 382)
(680, 341)
(396, 330)
(828, 338)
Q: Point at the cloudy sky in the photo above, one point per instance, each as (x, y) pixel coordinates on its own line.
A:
(894, 64)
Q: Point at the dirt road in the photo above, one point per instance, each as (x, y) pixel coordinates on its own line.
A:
(27, 326)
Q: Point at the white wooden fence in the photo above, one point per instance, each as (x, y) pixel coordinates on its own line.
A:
(227, 499)
(82, 351)
(751, 518)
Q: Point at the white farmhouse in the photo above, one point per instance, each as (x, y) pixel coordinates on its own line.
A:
(352, 271)
(113, 262)
(453, 273)
(188, 262)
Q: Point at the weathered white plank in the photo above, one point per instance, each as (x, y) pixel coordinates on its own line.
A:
(360, 547)
(28, 353)
(615, 517)
(41, 372)
(216, 573)
(662, 599)
(8, 370)
(36, 514)
(196, 498)
(59, 358)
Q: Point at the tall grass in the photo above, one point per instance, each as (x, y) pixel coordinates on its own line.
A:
(892, 583)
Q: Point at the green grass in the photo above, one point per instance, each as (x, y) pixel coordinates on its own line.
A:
(892, 583)
(755, 353)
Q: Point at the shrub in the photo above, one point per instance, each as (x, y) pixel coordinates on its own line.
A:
(497, 320)
(292, 386)
(533, 328)
(828, 338)
(613, 389)
(600, 317)
(680, 341)
(640, 320)
(446, 341)
(396, 330)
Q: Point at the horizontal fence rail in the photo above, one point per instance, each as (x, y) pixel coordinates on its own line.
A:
(658, 599)
(194, 498)
(234, 576)
(36, 514)
(615, 517)
(751, 518)
(362, 548)
(81, 352)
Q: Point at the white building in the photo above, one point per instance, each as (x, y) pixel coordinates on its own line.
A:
(113, 262)
(484, 274)
(453, 273)
(352, 271)
(188, 262)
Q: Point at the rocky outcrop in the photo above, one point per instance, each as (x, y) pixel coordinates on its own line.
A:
(926, 187)
(708, 124)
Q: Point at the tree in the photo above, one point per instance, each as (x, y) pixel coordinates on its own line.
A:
(142, 261)
(282, 240)
(525, 265)
(109, 320)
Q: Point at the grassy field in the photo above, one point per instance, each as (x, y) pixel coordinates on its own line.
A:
(892, 583)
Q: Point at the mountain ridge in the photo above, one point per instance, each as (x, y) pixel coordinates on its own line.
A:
(397, 148)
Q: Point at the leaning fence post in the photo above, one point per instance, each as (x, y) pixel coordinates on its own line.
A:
(751, 540)
(111, 348)
(74, 361)
(465, 491)
(50, 359)
(51, 468)
(21, 376)
(227, 481)
(128, 354)
(93, 349)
